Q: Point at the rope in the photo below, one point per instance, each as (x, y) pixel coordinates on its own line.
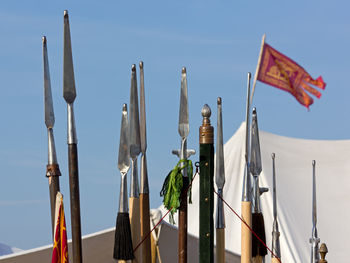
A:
(250, 229)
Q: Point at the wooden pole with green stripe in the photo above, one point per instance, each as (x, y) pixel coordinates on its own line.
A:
(206, 188)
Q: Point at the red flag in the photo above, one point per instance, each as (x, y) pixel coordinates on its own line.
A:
(60, 246)
(281, 72)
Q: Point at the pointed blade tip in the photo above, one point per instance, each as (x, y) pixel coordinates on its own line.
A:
(183, 70)
(141, 64)
(219, 101)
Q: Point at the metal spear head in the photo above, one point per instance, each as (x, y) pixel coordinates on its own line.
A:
(69, 92)
(49, 113)
(184, 127)
(314, 212)
(124, 152)
(142, 111)
(135, 143)
(219, 162)
(274, 186)
(255, 156)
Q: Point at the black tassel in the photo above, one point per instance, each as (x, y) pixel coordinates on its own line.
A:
(258, 226)
(123, 248)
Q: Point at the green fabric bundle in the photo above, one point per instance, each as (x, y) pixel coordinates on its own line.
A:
(171, 190)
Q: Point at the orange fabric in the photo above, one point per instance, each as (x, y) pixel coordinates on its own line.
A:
(60, 246)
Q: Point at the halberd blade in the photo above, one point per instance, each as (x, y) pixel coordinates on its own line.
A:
(219, 162)
(49, 113)
(134, 124)
(255, 156)
(142, 111)
(124, 152)
(69, 92)
(184, 127)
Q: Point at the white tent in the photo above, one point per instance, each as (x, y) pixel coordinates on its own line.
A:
(294, 194)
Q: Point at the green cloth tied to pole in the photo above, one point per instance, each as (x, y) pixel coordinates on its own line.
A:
(172, 186)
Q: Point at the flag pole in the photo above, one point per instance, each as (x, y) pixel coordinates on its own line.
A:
(257, 67)
(246, 237)
(206, 188)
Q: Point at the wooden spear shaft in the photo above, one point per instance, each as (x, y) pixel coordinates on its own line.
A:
(206, 188)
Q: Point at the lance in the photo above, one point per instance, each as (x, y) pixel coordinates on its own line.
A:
(69, 94)
(206, 188)
(314, 240)
(135, 149)
(275, 232)
(220, 182)
(123, 248)
(246, 236)
(52, 168)
(259, 251)
(144, 189)
(183, 154)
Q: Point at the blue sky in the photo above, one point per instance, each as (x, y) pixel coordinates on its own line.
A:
(217, 42)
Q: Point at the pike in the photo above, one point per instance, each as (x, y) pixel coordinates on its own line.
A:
(183, 154)
(144, 189)
(69, 94)
(52, 168)
(314, 240)
(259, 251)
(246, 236)
(135, 149)
(220, 182)
(276, 256)
(123, 247)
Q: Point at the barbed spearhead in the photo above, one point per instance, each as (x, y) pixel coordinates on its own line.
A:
(69, 92)
(255, 155)
(48, 104)
(184, 127)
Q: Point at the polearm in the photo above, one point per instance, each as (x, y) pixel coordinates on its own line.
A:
(246, 236)
(69, 94)
(259, 251)
(135, 149)
(144, 189)
(276, 249)
(123, 247)
(183, 154)
(220, 182)
(314, 240)
(52, 168)
(206, 188)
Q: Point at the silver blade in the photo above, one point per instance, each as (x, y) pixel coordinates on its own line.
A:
(219, 161)
(134, 139)
(255, 156)
(184, 127)
(142, 111)
(314, 211)
(124, 152)
(274, 187)
(69, 92)
(49, 113)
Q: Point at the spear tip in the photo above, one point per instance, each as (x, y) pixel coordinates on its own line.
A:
(219, 100)
(313, 162)
(254, 110)
(44, 40)
(183, 70)
(141, 64)
(133, 67)
(273, 155)
(125, 107)
(65, 14)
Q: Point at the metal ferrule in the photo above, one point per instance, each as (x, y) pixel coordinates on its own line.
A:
(275, 239)
(123, 196)
(52, 158)
(71, 131)
(246, 195)
(256, 195)
(134, 182)
(144, 189)
(220, 216)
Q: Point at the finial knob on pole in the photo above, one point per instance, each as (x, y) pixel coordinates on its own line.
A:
(206, 131)
(323, 251)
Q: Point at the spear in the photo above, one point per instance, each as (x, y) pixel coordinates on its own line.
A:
(123, 249)
(220, 182)
(69, 94)
(259, 251)
(135, 149)
(246, 237)
(275, 232)
(183, 154)
(144, 189)
(52, 168)
(314, 240)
